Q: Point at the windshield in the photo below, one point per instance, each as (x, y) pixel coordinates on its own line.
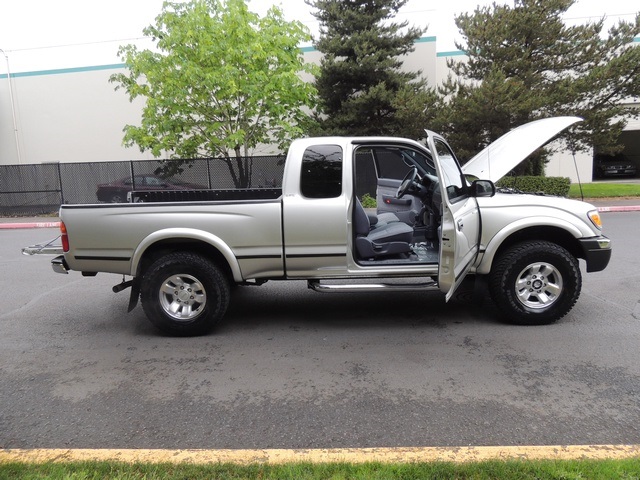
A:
(413, 157)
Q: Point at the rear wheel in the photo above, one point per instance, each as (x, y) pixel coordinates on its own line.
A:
(184, 294)
(535, 283)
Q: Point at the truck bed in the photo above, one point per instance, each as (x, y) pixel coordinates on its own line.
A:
(112, 237)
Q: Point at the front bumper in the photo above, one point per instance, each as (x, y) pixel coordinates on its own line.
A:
(597, 252)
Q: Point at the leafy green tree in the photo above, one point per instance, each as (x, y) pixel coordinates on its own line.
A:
(360, 73)
(524, 63)
(221, 81)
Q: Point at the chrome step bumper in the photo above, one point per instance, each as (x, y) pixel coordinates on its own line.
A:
(317, 286)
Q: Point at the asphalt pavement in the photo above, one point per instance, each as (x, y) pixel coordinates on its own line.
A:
(290, 368)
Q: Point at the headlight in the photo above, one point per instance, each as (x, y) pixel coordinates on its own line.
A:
(594, 216)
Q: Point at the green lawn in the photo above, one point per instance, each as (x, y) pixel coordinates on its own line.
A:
(605, 190)
(545, 469)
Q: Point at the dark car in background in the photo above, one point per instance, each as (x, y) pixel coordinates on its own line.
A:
(618, 165)
(116, 191)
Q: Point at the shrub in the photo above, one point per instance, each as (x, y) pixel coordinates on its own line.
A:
(368, 201)
(558, 186)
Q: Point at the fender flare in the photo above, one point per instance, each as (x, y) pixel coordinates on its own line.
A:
(490, 250)
(187, 234)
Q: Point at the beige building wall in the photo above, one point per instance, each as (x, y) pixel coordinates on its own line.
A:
(71, 115)
(563, 164)
(423, 59)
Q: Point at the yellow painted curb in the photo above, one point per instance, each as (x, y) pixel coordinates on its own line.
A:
(330, 455)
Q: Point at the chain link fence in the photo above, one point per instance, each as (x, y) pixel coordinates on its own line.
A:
(41, 188)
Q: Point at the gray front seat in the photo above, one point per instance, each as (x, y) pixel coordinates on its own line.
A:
(378, 241)
(383, 218)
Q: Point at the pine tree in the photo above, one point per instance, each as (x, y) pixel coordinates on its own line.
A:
(360, 74)
(524, 63)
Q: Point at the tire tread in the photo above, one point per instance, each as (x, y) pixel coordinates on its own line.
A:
(513, 259)
(208, 272)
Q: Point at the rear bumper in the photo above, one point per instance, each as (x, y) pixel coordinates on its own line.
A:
(597, 252)
(59, 265)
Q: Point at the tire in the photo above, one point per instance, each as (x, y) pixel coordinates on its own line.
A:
(184, 294)
(535, 283)
(118, 197)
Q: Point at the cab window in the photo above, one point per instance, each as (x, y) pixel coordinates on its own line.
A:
(321, 175)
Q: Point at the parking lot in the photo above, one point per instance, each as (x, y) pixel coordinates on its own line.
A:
(291, 368)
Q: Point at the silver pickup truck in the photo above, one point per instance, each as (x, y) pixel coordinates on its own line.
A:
(435, 223)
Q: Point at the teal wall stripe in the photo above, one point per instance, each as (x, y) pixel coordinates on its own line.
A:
(59, 71)
(420, 40)
(455, 53)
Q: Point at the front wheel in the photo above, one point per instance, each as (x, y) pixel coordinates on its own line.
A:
(184, 294)
(535, 283)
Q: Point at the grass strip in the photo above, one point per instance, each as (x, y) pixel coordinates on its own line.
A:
(605, 190)
(625, 469)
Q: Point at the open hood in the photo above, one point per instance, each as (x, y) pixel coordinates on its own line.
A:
(503, 155)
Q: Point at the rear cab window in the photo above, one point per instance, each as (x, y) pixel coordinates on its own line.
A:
(321, 174)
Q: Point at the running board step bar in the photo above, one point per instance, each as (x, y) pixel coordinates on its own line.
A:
(371, 287)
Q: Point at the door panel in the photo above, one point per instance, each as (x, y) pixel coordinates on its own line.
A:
(405, 208)
(458, 247)
(460, 228)
(315, 236)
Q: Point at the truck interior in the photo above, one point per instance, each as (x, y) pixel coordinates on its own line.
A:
(404, 226)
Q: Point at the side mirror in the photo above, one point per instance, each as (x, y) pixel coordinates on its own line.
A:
(483, 188)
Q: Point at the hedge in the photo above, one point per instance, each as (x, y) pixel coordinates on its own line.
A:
(558, 186)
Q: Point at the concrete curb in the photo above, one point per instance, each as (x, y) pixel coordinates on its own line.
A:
(620, 208)
(15, 226)
(28, 225)
(329, 455)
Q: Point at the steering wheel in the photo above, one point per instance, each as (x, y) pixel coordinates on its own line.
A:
(407, 181)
